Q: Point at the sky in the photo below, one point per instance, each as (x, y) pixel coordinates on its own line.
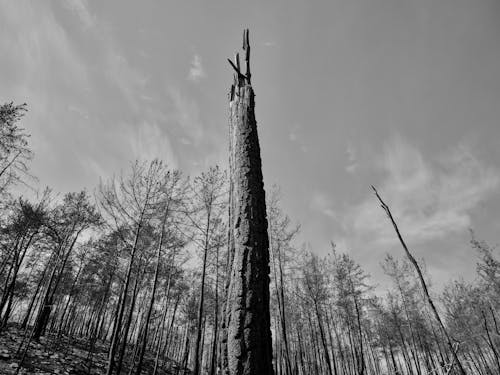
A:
(403, 95)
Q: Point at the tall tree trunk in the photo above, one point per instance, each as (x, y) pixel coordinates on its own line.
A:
(283, 315)
(323, 339)
(490, 341)
(33, 298)
(46, 308)
(334, 360)
(159, 331)
(248, 347)
(66, 306)
(169, 331)
(121, 303)
(161, 325)
(216, 316)
(18, 260)
(123, 347)
(152, 300)
(197, 360)
(361, 357)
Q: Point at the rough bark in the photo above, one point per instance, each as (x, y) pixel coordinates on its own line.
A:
(247, 336)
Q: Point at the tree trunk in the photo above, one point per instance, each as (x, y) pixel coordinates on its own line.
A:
(197, 360)
(123, 347)
(33, 299)
(152, 300)
(120, 309)
(248, 348)
(461, 370)
(213, 360)
(46, 308)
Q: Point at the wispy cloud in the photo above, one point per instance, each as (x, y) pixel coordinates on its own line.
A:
(81, 9)
(129, 80)
(40, 66)
(322, 203)
(148, 141)
(352, 159)
(186, 114)
(429, 198)
(294, 136)
(35, 44)
(196, 71)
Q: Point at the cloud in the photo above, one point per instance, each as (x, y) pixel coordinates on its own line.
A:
(35, 46)
(40, 66)
(79, 111)
(129, 80)
(352, 159)
(196, 71)
(351, 168)
(148, 141)
(430, 199)
(186, 115)
(322, 203)
(81, 10)
(294, 136)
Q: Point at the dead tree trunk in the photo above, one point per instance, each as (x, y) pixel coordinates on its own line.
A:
(246, 343)
(384, 206)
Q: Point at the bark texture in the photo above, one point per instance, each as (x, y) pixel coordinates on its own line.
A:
(247, 348)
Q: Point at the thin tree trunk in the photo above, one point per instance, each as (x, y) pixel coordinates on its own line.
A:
(490, 341)
(63, 314)
(323, 339)
(213, 360)
(152, 300)
(423, 284)
(121, 303)
(197, 363)
(126, 329)
(33, 299)
(46, 308)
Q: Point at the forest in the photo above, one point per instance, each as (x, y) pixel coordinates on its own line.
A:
(161, 236)
(134, 277)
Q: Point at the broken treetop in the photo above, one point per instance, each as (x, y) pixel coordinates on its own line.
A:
(241, 79)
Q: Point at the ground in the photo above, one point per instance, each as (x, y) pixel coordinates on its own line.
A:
(62, 356)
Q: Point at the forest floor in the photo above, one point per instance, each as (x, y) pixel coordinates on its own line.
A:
(61, 356)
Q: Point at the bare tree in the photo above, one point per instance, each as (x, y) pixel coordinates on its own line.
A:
(173, 193)
(130, 203)
(208, 203)
(14, 151)
(68, 221)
